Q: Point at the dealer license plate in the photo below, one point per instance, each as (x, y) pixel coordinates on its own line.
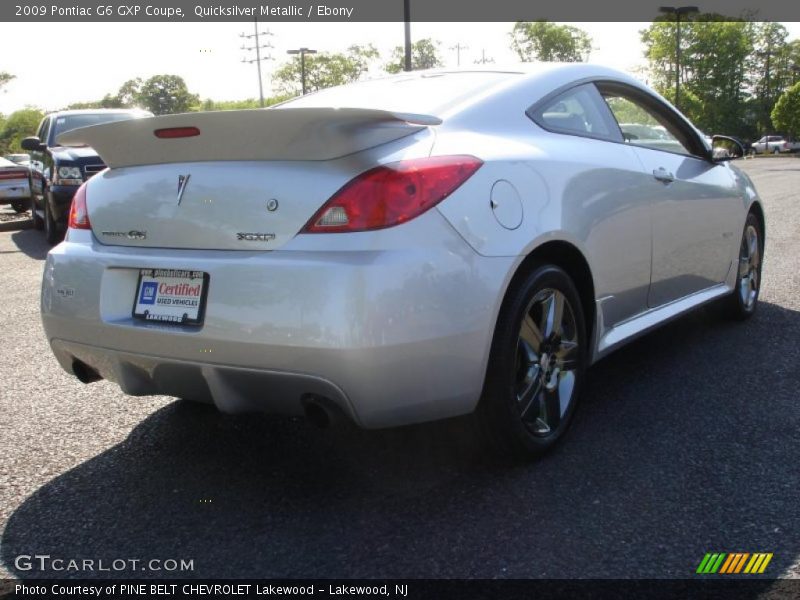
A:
(171, 296)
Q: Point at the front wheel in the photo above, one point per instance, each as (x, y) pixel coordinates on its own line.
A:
(743, 301)
(536, 366)
(51, 232)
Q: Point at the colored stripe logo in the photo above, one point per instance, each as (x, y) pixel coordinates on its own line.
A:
(733, 563)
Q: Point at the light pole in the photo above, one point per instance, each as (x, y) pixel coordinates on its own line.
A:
(302, 52)
(680, 10)
(407, 26)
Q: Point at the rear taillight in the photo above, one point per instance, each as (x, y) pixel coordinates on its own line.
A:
(392, 194)
(78, 215)
(13, 174)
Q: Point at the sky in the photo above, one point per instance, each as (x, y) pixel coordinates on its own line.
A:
(88, 60)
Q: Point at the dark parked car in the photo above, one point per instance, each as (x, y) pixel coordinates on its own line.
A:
(56, 172)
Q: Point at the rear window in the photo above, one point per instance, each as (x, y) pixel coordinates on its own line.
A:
(69, 122)
(422, 94)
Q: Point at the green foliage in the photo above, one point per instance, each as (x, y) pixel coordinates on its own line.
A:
(424, 55)
(5, 78)
(82, 105)
(769, 68)
(714, 78)
(210, 104)
(732, 71)
(165, 95)
(545, 41)
(786, 114)
(19, 124)
(324, 70)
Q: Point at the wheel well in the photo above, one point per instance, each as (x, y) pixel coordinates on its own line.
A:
(758, 211)
(569, 258)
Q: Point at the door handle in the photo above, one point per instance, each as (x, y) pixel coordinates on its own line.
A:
(661, 174)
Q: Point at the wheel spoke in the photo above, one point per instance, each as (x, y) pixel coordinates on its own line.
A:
(553, 313)
(532, 335)
(568, 355)
(754, 259)
(744, 266)
(527, 398)
(552, 408)
(752, 242)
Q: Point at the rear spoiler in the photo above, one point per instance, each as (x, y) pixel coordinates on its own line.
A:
(260, 134)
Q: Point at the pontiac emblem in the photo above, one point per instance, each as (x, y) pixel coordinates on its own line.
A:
(183, 180)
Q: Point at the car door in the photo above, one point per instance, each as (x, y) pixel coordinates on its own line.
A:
(600, 184)
(696, 205)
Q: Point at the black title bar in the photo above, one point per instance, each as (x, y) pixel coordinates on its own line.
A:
(378, 10)
(708, 588)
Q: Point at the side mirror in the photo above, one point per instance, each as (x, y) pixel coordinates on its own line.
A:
(32, 143)
(725, 148)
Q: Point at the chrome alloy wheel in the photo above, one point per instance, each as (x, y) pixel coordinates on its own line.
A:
(749, 263)
(548, 355)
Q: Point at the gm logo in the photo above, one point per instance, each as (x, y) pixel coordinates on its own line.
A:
(731, 564)
(148, 293)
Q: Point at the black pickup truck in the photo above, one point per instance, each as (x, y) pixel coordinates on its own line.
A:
(57, 171)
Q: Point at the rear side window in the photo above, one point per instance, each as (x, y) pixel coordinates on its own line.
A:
(577, 112)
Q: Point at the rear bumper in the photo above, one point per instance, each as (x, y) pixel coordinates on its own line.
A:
(391, 336)
(10, 192)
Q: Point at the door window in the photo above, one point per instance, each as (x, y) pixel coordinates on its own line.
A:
(642, 126)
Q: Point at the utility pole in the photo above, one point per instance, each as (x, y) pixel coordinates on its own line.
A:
(407, 25)
(681, 10)
(302, 52)
(258, 47)
(483, 59)
(458, 48)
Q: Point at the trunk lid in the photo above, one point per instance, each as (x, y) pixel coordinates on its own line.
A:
(249, 181)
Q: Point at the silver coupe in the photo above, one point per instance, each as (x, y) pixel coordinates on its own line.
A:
(400, 250)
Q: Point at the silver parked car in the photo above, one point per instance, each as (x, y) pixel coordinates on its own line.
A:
(15, 186)
(399, 250)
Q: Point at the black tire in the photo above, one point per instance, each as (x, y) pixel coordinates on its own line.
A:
(51, 231)
(20, 206)
(38, 222)
(743, 301)
(512, 414)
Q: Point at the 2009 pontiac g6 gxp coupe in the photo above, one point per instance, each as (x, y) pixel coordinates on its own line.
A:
(400, 250)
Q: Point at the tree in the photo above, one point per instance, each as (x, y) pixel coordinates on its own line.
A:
(714, 75)
(20, 124)
(424, 55)
(545, 41)
(768, 68)
(325, 69)
(786, 114)
(5, 78)
(250, 103)
(164, 95)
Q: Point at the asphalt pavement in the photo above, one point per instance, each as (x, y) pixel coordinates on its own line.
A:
(686, 442)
